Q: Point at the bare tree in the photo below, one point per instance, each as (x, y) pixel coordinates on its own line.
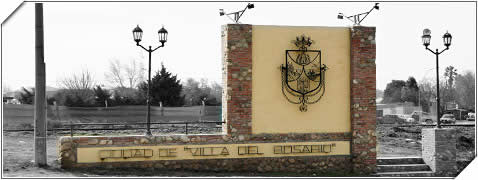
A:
(450, 75)
(465, 90)
(114, 75)
(216, 91)
(196, 91)
(134, 73)
(427, 92)
(191, 92)
(204, 85)
(125, 76)
(448, 93)
(77, 88)
(84, 80)
(6, 89)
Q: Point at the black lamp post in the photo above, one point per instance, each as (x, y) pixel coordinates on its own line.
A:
(426, 41)
(163, 37)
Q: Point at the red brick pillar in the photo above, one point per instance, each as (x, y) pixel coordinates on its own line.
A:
(237, 75)
(363, 108)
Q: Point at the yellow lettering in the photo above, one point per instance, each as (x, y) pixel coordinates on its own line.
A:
(197, 152)
(148, 153)
(224, 151)
(163, 152)
(138, 153)
(116, 153)
(306, 149)
(105, 153)
(287, 149)
(315, 148)
(297, 149)
(167, 152)
(277, 149)
(211, 150)
(172, 152)
(252, 150)
(127, 153)
(329, 150)
(241, 150)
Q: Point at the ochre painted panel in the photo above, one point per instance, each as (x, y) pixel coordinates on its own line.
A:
(271, 112)
(211, 151)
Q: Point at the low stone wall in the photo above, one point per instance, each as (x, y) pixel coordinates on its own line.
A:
(314, 164)
(307, 165)
(237, 114)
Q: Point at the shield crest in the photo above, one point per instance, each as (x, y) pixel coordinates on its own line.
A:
(303, 74)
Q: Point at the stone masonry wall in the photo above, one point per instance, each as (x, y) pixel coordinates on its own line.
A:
(363, 107)
(238, 64)
(439, 150)
(307, 165)
(68, 148)
(237, 68)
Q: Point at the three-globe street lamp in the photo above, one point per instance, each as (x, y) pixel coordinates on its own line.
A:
(426, 42)
(163, 37)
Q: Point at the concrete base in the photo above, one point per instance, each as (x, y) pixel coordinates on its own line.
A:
(439, 150)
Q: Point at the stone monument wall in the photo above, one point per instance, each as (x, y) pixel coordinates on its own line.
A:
(238, 148)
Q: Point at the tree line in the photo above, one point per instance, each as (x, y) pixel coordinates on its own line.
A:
(454, 88)
(129, 88)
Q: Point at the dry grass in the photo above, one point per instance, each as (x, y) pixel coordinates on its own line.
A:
(21, 116)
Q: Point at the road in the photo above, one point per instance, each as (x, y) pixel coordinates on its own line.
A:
(464, 122)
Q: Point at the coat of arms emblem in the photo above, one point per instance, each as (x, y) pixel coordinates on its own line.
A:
(303, 74)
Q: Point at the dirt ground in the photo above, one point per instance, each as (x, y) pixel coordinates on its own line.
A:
(18, 157)
(18, 154)
(406, 141)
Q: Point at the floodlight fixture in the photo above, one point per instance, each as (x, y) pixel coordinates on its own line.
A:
(357, 19)
(221, 12)
(340, 16)
(237, 15)
(250, 6)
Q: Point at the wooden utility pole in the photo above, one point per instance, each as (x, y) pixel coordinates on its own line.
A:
(40, 85)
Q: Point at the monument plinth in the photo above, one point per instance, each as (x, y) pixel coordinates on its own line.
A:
(263, 131)
(439, 150)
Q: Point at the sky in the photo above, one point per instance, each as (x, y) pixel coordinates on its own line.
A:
(87, 35)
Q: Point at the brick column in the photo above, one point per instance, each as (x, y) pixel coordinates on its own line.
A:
(362, 71)
(439, 150)
(237, 72)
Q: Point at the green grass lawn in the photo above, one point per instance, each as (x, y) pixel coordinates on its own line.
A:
(21, 116)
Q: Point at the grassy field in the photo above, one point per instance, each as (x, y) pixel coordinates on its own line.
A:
(21, 116)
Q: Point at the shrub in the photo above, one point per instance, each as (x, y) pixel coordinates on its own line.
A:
(54, 124)
(50, 100)
(26, 126)
(76, 97)
(26, 97)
